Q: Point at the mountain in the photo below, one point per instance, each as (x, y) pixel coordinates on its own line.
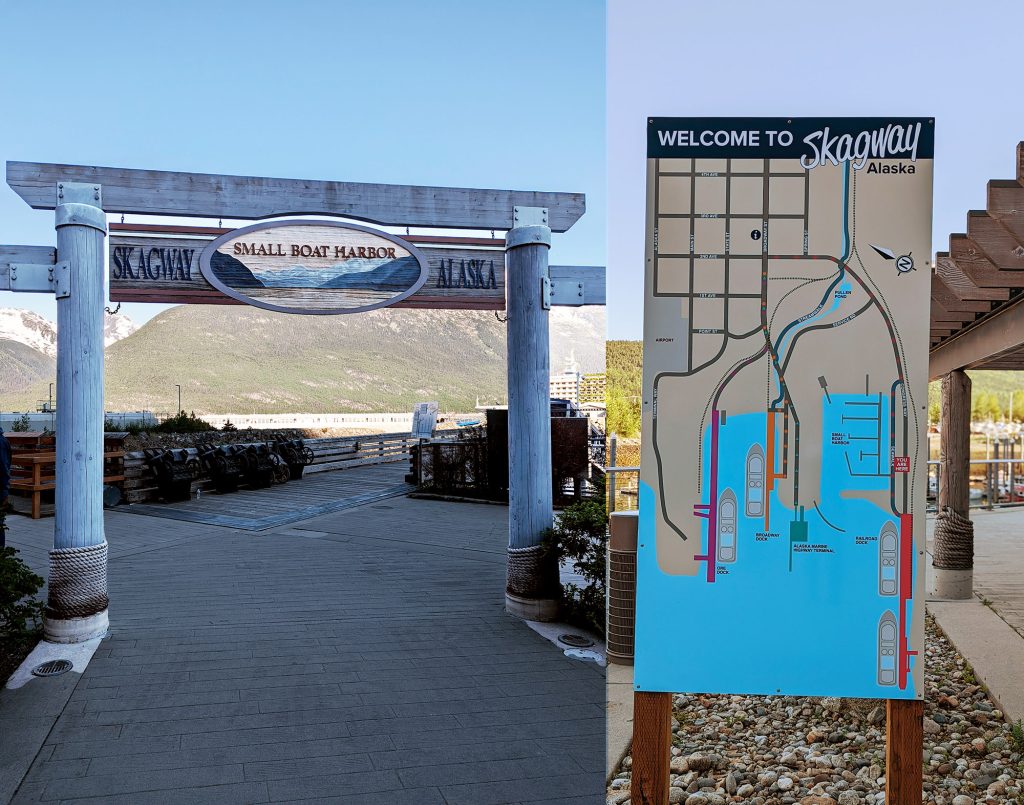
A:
(243, 359)
(35, 331)
(24, 370)
(117, 326)
(30, 329)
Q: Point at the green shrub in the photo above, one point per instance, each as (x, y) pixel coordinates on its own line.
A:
(21, 425)
(581, 536)
(184, 423)
(21, 614)
(229, 426)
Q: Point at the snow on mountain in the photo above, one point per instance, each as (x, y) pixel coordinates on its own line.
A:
(29, 328)
(116, 327)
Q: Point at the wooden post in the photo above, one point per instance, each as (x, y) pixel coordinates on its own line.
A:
(953, 575)
(613, 441)
(77, 594)
(652, 745)
(532, 590)
(904, 751)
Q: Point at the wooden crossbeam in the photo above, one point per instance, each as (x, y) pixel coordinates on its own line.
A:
(1000, 333)
(1006, 205)
(995, 241)
(944, 295)
(951, 271)
(37, 255)
(208, 195)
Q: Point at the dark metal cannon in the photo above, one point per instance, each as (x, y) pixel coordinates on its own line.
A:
(174, 471)
(295, 455)
(223, 467)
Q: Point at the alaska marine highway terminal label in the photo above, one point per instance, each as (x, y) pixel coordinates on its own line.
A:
(783, 471)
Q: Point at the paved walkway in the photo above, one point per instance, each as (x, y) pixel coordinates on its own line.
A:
(988, 630)
(999, 562)
(360, 657)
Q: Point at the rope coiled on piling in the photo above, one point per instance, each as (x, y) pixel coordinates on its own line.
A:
(78, 582)
(954, 541)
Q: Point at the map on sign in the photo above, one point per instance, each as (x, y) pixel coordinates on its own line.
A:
(783, 471)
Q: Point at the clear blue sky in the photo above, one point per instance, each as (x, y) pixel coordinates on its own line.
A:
(448, 92)
(956, 62)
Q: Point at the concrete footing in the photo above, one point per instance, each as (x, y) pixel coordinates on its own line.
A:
(951, 585)
(76, 630)
(532, 609)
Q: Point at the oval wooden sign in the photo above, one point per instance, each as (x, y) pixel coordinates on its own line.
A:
(318, 267)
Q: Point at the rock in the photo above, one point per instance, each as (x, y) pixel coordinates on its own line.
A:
(619, 799)
(962, 799)
(699, 762)
(745, 790)
(814, 737)
(997, 744)
(790, 758)
(766, 778)
(876, 716)
(676, 796)
(730, 783)
(707, 782)
(785, 783)
(930, 727)
(679, 765)
(978, 745)
(832, 704)
(849, 798)
(696, 799)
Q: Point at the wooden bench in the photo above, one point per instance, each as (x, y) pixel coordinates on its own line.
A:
(35, 473)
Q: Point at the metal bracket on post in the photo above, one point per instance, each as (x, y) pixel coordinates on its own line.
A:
(79, 193)
(529, 216)
(545, 293)
(37, 278)
(567, 293)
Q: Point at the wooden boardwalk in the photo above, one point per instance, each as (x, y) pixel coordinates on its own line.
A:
(260, 509)
(360, 657)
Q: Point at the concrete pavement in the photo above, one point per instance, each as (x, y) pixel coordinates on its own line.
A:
(361, 657)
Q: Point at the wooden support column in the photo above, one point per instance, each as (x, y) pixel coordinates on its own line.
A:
(77, 590)
(652, 745)
(904, 751)
(953, 561)
(532, 591)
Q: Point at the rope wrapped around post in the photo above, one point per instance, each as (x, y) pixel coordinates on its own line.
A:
(78, 582)
(954, 541)
(533, 572)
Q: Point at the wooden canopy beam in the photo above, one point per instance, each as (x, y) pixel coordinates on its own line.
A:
(994, 241)
(206, 195)
(944, 295)
(952, 272)
(1006, 205)
(1002, 332)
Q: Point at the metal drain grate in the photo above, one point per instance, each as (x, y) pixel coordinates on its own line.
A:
(52, 668)
(576, 640)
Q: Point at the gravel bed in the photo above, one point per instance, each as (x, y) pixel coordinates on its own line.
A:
(769, 750)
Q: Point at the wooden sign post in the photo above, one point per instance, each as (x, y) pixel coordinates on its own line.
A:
(652, 747)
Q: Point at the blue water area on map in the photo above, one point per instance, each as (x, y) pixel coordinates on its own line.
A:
(763, 627)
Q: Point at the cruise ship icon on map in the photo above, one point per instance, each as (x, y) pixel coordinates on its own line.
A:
(887, 649)
(755, 482)
(727, 526)
(888, 540)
